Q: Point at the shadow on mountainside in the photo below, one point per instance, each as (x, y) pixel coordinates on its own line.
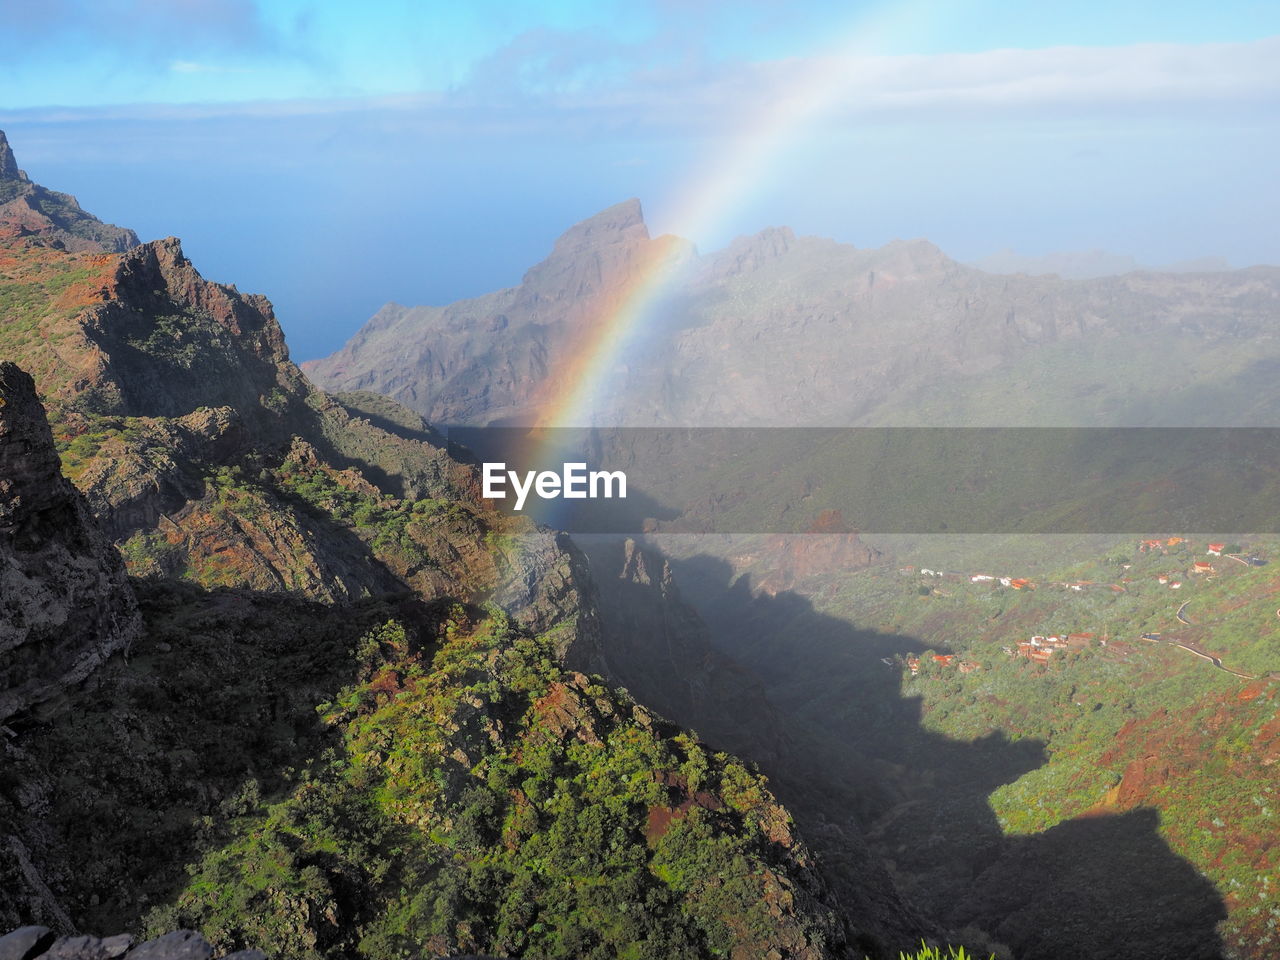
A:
(860, 760)
(115, 789)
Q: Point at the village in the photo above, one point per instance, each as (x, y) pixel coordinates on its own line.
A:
(1042, 648)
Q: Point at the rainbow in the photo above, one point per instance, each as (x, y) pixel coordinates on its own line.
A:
(739, 166)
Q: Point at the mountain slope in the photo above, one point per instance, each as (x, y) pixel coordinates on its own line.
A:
(359, 716)
(507, 353)
(780, 330)
(206, 454)
(28, 209)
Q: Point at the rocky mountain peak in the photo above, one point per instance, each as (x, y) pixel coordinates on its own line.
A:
(622, 221)
(29, 210)
(8, 163)
(746, 254)
(592, 255)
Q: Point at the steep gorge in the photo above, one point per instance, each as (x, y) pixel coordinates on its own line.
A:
(361, 714)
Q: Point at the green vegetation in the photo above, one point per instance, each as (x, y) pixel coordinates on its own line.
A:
(180, 340)
(390, 525)
(939, 953)
(477, 797)
(1130, 725)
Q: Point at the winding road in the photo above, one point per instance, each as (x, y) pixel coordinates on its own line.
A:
(1216, 661)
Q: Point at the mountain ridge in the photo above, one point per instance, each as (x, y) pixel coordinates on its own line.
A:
(364, 714)
(29, 210)
(912, 321)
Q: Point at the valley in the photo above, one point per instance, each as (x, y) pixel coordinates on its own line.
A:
(295, 682)
(274, 670)
(1072, 741)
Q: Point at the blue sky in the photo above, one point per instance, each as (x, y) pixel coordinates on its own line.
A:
(335, 156)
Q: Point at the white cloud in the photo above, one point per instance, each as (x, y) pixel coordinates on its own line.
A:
(700, 99)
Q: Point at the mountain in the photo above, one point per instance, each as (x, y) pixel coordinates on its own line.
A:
(506, 353)
(339, 707)
(1088, 264)
(1109, 799)
(29, 210)
(780, 330)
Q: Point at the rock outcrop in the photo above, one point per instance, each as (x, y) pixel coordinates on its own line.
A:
(659, 648)
(67, 603)
(29, 210)
(206, 454)
(40, 943)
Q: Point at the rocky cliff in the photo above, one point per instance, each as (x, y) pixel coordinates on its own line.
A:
(502, 357)
(362, 715)
(661, 651)
(29, 210)
(206, 454)
(67, 603)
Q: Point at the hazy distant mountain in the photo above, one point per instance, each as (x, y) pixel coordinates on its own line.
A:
(1087, 264)
(476, 361)
(784, 330)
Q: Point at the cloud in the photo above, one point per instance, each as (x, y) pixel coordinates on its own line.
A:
(1098, 76)
(151, 28)
(549, 81)
(550, 68)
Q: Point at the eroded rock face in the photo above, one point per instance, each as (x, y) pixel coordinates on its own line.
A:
(506, 356)
(29, 210)
(659, 648)
(65, 603)
(171, 341)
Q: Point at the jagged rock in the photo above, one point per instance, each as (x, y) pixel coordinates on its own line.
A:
(544, 583)
(178, 945)
(657, 646)
(67, 603)
(171, 342)
(8, 163)
(505, 353)
(88, 948)
(161, 380)
(29, 210)
(25, 942)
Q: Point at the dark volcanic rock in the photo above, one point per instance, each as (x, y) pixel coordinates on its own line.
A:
(178, 945)
(67, 603)
(8, 163)
(87, 948)
(658, 647)
(171, 341)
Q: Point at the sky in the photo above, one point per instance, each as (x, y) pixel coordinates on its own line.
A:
(337, 156)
